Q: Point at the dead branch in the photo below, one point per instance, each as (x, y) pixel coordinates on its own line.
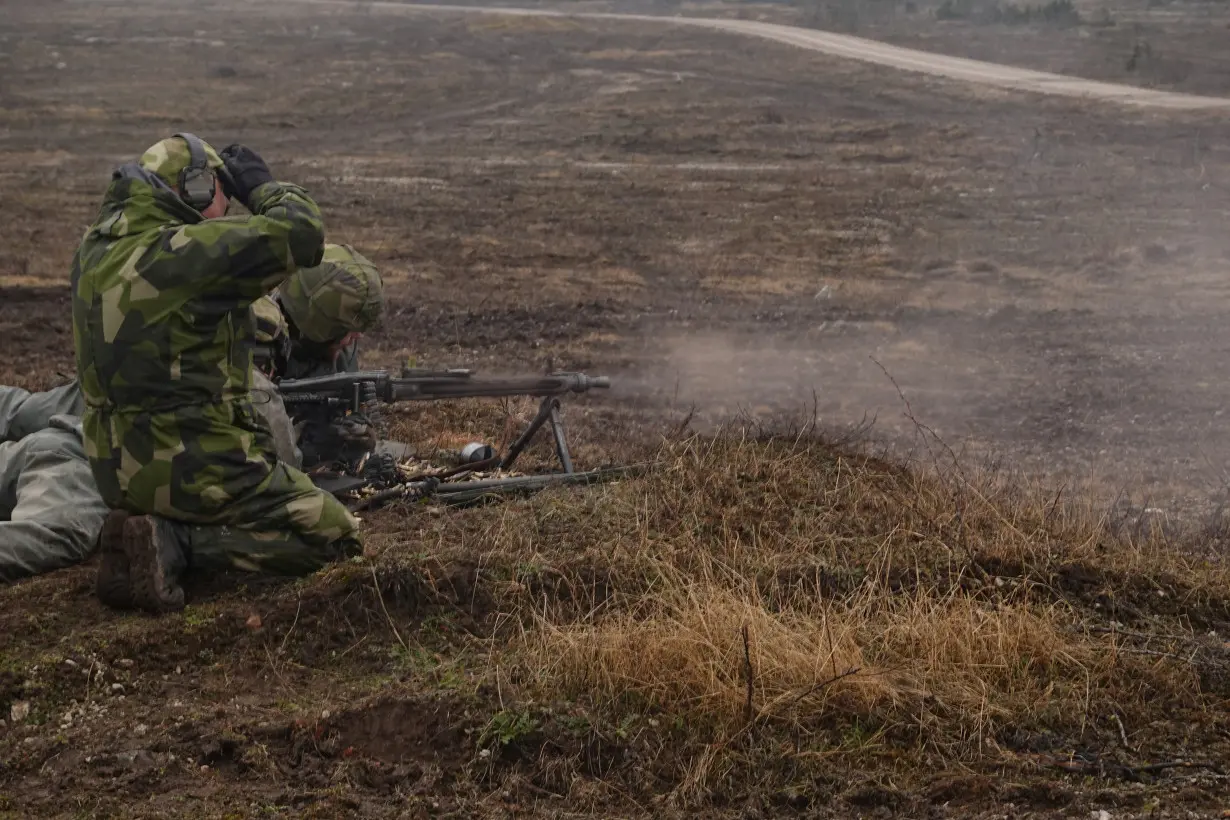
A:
(1122, 732)
(1108, 768)
(393, 626)
(824, 684)
(749, 710)
(1148, 636)
(293, 624)
(926, 430)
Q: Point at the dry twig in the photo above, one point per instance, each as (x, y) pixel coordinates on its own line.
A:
(749, 710)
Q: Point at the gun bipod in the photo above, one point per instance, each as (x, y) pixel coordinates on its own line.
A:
(548, 413)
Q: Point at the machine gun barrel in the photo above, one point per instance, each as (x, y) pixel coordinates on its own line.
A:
(427, 388)
(420, 385)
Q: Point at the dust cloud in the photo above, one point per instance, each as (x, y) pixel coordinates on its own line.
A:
(1127, 404)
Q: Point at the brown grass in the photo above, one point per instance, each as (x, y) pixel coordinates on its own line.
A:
(927, 614)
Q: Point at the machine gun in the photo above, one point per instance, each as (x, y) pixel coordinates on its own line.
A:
(351, 392)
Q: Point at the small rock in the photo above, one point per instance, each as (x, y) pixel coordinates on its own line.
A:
(19, 711)
(204, 769)
(325, 714)
(179, 670)
(1099, 814)
(140, 729)
(126, 663)
(253, 623)
(70, 663)
(117, 688)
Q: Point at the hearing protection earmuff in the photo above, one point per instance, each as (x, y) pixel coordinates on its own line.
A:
(197, 182)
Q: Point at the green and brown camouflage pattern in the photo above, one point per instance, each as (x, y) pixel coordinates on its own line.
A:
(164, 340)
(343, 294)
(271, 337)
(170, 156)
(270, 324)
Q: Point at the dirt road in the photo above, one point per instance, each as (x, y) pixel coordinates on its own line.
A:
(870, 51)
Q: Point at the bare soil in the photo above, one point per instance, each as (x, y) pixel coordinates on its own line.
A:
(725, 226)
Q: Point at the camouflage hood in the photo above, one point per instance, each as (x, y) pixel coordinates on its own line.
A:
(142, 195)
(138, 201)
(343, 294)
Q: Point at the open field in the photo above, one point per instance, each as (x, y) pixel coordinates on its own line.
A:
(724, 225)
(1165, 44)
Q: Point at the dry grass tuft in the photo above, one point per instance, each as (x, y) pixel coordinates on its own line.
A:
(931, 612)
(950, 670)
(688, 656)
(777, 600)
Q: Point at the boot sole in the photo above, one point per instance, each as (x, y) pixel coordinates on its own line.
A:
(151, 589)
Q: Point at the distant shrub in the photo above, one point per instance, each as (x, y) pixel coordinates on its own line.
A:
(953, 10)
(1058, 12)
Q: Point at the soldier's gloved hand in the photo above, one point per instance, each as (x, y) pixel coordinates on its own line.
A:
(354, 430)
(348, 440)
(246, 171)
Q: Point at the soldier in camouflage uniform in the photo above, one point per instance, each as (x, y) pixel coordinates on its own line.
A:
(162, 286)
(328, 308)
(51, 512)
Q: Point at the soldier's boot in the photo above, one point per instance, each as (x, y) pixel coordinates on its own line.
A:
(155, 564)
(112, 585)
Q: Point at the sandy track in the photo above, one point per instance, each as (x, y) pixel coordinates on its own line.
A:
(858, 48)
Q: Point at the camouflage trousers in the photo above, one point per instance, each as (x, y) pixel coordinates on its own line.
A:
(212, 467)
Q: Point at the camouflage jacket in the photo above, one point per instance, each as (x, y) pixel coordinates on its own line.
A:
(161, 295)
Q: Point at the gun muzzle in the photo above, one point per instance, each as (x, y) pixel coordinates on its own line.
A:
(581, 382)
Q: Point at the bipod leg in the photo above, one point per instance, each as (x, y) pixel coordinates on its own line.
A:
(544, 415)
(561, 441)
